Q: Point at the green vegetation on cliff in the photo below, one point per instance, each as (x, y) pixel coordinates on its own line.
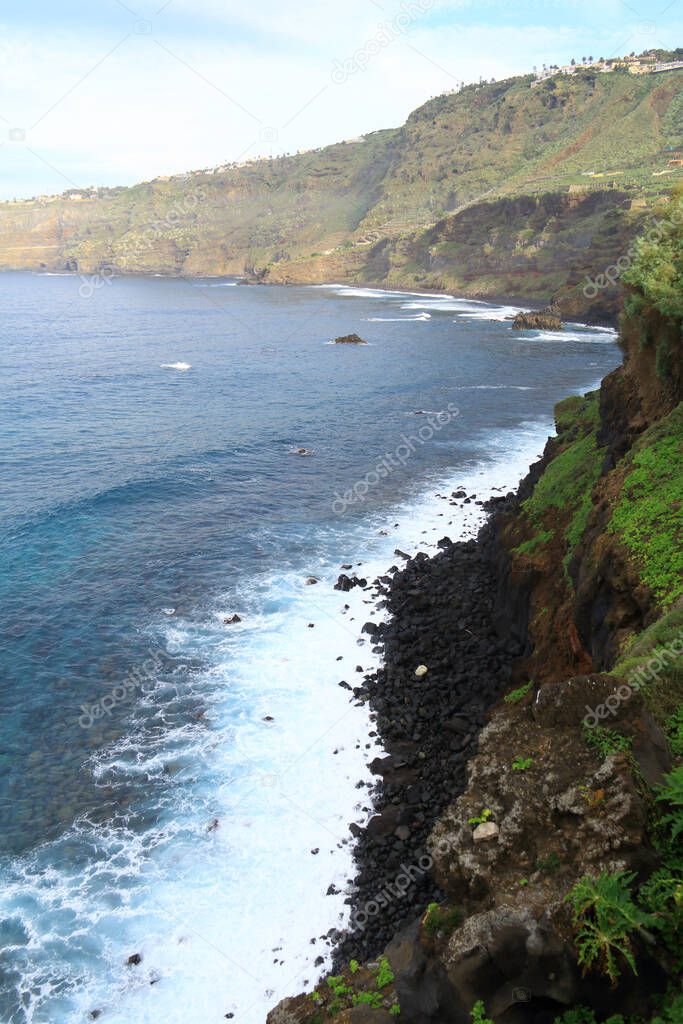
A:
(561, 500)
(648, 515)
(655, 280)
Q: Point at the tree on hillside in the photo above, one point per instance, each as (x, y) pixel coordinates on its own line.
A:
(655, 277)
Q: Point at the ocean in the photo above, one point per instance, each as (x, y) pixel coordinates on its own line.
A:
(175, 787)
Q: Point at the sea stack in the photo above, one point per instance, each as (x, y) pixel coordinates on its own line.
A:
(547, 319)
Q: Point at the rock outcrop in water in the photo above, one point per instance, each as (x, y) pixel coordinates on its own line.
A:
(349, 339)
(548, 319)
(516, 855)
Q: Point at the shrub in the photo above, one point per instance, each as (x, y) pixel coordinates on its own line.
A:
(605, 918)
(607, 741)
(656, 273)
(385, 975)
(672, 793)
(373, 999)
(662, 897)
(441, 920)
(478, 1013)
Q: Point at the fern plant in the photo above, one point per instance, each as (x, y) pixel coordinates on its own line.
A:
(672, 793)
(662, 897)
(605, 917)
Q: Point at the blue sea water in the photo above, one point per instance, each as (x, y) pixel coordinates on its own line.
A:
(165, 775)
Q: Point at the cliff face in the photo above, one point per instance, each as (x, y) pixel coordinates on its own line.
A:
(537, 247)
(559, 869)
(497, 189)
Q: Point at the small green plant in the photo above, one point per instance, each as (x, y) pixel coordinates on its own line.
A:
(523, 882)
(672, 1011)
(662, 897)
(519, 693)
(337, 984)
(674, 729)
(441, 920)
(607, 741)
(478, 1013)
(577, 1015)
(316, 997)
(605, 917)
(584, 1015)
(481, 818)
(354, 966)
(373, 999)
(340, 990)
(385, 975)
(522, 764)
(395, 1010)
(549, 865)
(671, 793)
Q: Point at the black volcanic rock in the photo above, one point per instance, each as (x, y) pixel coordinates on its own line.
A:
(547, 319)
(349, 339)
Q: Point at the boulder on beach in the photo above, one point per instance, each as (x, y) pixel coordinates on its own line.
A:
(548, 319)
(349, 339)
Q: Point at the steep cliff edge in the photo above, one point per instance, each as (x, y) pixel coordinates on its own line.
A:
(558, 863)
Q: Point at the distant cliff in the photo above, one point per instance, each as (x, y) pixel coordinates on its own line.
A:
(497, 189)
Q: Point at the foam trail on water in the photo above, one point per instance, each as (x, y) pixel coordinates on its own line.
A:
(221, 890)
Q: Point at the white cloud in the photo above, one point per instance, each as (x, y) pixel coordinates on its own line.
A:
(104, 109)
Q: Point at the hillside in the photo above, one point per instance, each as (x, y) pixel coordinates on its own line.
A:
(499, 188)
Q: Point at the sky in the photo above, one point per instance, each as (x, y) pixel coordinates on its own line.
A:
(120, 91)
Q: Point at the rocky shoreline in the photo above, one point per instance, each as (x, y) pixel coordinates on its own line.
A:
(445, 616)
